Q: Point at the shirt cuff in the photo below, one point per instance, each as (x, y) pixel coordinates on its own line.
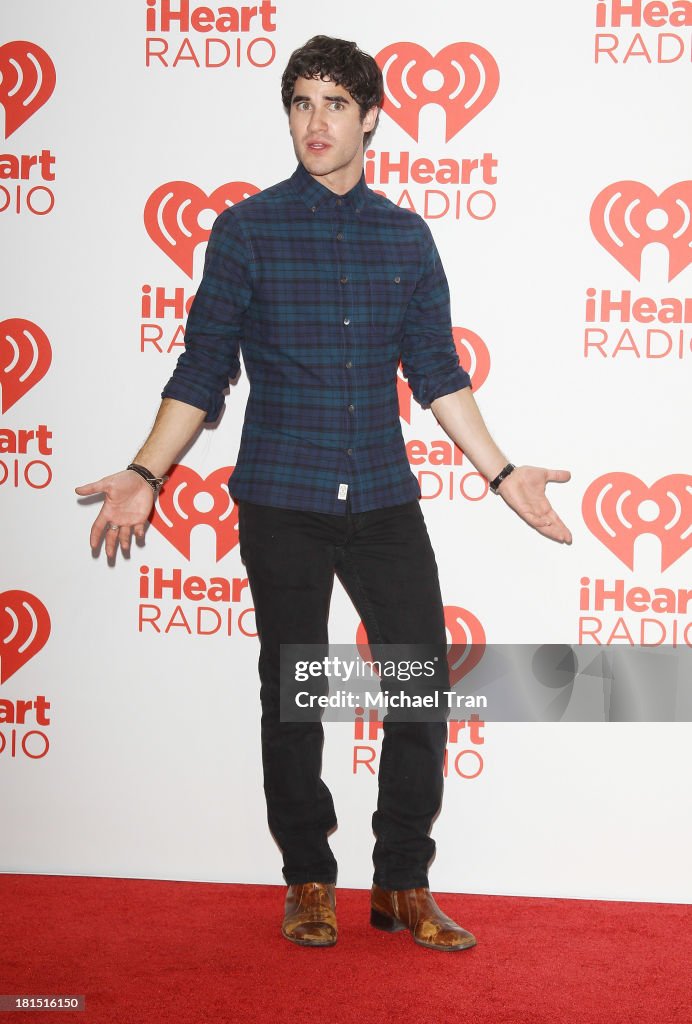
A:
(452, 382)
(212, 404)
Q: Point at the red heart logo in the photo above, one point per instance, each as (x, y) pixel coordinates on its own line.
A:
(627, 216)
(474, 357)
(172, 211)
(619, 507)
(24, 630)
(181, 507)
(465, 633)
(25, 356)
(27, 80)
(464, 80)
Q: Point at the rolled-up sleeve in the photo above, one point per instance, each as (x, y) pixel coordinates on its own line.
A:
(215, 322)
(429, 357)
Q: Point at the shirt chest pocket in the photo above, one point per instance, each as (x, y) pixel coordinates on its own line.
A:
(390, 289)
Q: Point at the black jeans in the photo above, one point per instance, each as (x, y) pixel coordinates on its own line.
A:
(385, 562)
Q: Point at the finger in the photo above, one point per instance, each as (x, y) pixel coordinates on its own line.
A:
(559, 536)
(93, 488)
(112, 537)
(139, 531)
(125, 537)
(558, 476)
(564, 534)
(554, 528)
(99, 525)
(558, 530)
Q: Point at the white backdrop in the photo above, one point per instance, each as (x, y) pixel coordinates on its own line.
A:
(146, 763)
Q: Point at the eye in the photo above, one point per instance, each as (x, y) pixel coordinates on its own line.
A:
(337, 105)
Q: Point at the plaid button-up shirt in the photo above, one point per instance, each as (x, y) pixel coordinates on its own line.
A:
(323, 295)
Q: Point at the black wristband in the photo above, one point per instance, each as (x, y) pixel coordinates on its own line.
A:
(155, 482)
(494, 484)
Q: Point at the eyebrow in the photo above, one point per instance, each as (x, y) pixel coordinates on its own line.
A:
(329, 99)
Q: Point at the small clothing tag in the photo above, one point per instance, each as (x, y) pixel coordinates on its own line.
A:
(343, 491)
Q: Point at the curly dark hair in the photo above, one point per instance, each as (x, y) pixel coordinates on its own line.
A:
(342, 63)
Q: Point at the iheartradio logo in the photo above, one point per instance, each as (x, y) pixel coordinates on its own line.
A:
(25, 356)
(27, 80)
(24, 630)
(474, 357)
(627, 216)
(619, 507)
(174, 212)
(462, 79)
(464, 632)
(186, 501)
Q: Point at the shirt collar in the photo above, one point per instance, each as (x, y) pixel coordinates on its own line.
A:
(315, 195)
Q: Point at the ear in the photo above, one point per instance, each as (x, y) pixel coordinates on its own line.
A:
(370, 119)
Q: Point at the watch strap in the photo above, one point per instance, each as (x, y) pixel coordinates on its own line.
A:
(494, 484)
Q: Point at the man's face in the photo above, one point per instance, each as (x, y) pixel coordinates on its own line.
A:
(327, 132)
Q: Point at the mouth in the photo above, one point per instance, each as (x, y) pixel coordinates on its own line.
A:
(318, 147)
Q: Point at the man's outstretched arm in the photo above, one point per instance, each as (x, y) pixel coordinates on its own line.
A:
(524, 488)
(129, 498)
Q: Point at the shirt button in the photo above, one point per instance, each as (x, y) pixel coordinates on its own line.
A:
(349, 451)
(351, 408)
(314, 209)
(338, 202)
(339, 236)
(397, 280)
(347, 321)
(344, 279)
(349, 364)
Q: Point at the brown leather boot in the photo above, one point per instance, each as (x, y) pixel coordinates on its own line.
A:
(310, 918)
(415, 909)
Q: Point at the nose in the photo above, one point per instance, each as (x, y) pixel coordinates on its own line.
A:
(318, 120)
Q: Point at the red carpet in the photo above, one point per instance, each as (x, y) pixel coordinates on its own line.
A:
(190, 952)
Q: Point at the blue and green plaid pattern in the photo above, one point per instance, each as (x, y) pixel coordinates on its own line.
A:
(323, 295)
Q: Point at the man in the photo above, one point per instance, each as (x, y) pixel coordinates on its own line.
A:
(326, 286)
